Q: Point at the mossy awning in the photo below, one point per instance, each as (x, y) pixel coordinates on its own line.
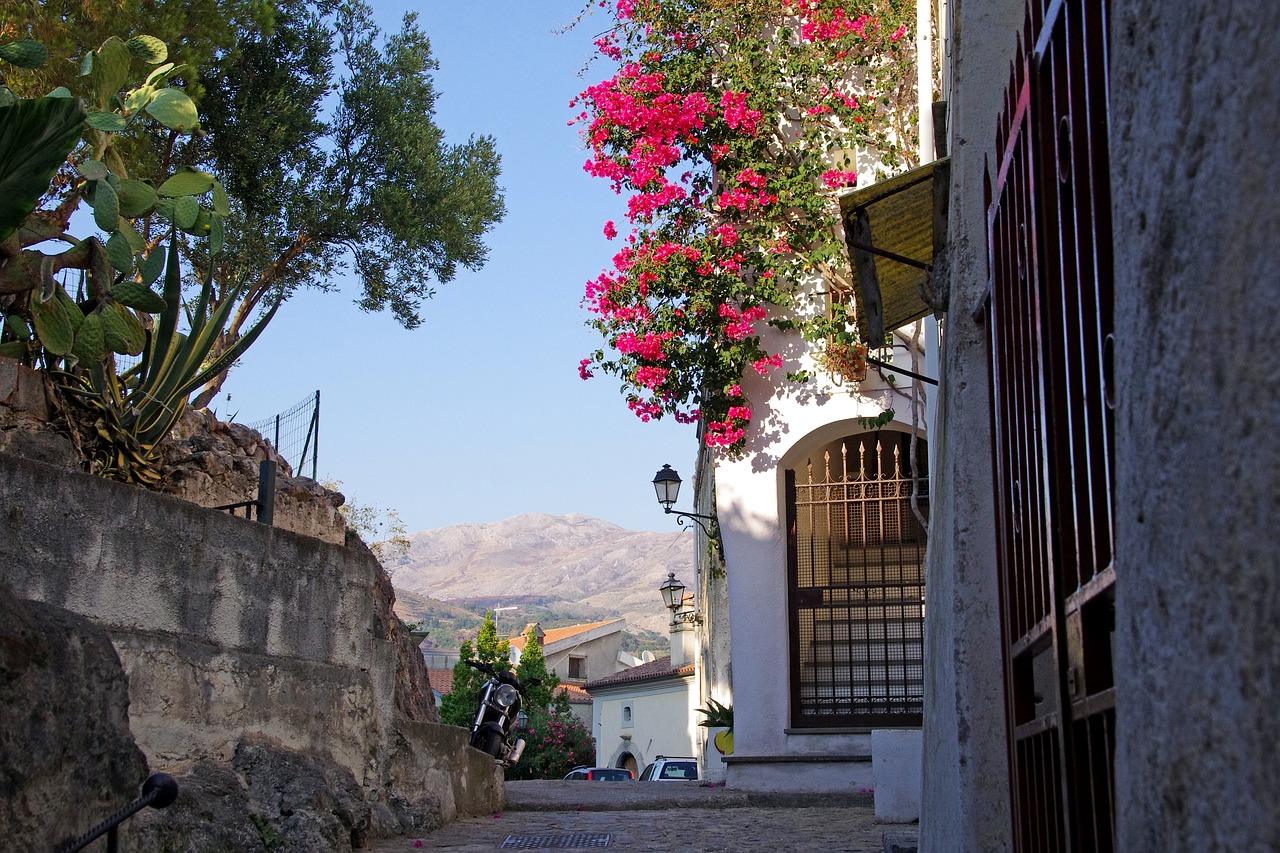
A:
(893, 230)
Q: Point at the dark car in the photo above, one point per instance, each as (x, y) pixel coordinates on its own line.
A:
(601, 774)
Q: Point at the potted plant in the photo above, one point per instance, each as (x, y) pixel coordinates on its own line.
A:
(718, 721)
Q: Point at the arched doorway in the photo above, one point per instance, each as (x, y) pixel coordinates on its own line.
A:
(855, 572)
(627, 761)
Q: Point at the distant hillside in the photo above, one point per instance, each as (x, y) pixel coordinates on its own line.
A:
(553, 569)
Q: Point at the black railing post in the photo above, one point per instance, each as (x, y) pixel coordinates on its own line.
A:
(266, 492)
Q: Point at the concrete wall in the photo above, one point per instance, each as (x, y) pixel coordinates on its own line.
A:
(228, 629)
(1195, 109)
(965, 796)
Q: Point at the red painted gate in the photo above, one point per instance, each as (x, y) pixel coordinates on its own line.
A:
(1049, 316)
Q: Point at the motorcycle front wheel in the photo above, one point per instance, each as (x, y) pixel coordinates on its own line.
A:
(490, 742)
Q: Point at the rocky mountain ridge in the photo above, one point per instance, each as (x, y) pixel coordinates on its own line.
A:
(577, 565)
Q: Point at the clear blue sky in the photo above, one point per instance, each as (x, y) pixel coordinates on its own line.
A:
(479, 414)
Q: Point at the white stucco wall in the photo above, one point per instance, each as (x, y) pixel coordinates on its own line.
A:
(750, 503)
(663, 721)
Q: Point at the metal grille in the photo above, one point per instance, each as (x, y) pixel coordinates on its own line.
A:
(577, 840)
(1050, 325)
(856, 555)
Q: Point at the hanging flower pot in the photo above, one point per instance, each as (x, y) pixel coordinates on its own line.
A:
(844, 362)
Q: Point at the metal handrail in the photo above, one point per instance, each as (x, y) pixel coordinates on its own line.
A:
(158, 791)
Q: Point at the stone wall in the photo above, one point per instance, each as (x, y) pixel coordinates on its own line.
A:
(204, 461)
(250, 651)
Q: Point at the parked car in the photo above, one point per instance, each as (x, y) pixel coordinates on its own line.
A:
(674, 769)
(601, 774)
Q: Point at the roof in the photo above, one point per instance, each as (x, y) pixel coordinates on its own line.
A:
(656, 669)
(893, 229)
(441, 680)
(557, 635)
(577, 696)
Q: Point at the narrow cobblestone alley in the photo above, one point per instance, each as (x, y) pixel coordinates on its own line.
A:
(666, 816)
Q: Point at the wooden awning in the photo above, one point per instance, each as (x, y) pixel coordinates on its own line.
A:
(893, 230)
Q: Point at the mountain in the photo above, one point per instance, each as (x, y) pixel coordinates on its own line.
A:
(573, 567)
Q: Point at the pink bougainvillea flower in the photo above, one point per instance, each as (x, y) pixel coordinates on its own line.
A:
(898, 33)
(610, 230)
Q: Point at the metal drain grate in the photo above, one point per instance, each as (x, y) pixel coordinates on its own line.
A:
(577, 841)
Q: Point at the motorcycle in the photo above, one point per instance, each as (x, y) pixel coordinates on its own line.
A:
(496, 716)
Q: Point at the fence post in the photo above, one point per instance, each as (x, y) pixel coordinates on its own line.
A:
(315, 451)
(266, 492)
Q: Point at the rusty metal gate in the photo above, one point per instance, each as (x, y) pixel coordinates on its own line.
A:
(855, 558)
(1049, 316)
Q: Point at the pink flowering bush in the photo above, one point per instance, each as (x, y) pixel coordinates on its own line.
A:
(555, 742)
(728, 208)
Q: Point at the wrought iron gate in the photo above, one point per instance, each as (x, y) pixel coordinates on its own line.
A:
(855, 554)
(1049, 315)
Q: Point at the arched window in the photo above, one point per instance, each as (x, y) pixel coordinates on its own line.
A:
(855, 554)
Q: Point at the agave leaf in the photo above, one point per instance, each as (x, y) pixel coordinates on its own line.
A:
(36, 135)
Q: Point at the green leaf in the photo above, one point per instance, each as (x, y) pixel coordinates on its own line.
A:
(36, 135)
(93, 170)
(149, 49)
(53, 326)
(61, 92)
(137, 198)
(186, 184)
(151, 269)
(221, 201)
(173, 109)
(125, 228)
(107, 122)
(106, 206)
(110, 70)
(119, 253)
(139, 296)
(186, 211)
(202, 226)
(17, 327)
(137, 99)
(86, 64)
(122, 330)
(13, 349)
(24, 53)
(7, 98)
(90, 343)
(217, 234)
(158, 74)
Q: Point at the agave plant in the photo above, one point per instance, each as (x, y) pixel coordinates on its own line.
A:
(136, 409)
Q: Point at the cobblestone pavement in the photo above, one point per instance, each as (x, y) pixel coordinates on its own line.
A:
(662, 816)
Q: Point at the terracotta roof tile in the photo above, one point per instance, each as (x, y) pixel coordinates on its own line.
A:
(441, 680)
(657, 668)
(577, 696)
(554, 635)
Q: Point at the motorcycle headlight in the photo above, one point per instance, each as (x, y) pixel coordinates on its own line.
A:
(505, 696)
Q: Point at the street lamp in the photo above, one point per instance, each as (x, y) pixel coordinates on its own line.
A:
(673, 597)
(666, 483)
(672, 592)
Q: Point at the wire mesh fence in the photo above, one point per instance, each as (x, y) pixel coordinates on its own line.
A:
(295, 433)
